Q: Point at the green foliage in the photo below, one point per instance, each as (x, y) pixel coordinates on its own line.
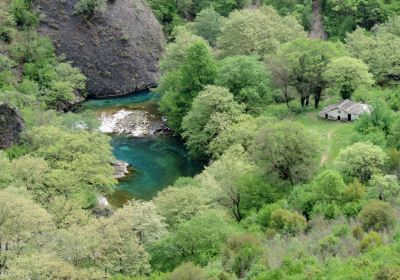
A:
(179, 86)
(197, 240)
(79, 162)
(286, 149)
(179, 205)
(241, 133)
(208, 25)
(379, 51)
(257, 32)
(188, 271)
(307, 59)
(288, 222)
(344, 75)
(20, 10)
(370, 241)
(212, 111)
(24, 226)
(383, 187)
(361, 160)
(344, 16)
(90, 7)
(247, 79)
(380, 119)
(240, 253)
(300, 9)
(377, 215)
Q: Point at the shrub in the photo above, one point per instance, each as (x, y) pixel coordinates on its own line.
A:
(371, 240)
(90, 7)
(188, 271)
(288, 222)
(7, 34)
(21, 14)
(377, 215)
(388, 273)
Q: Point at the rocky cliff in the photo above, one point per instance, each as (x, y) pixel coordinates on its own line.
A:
(11, 125)
(118, 49)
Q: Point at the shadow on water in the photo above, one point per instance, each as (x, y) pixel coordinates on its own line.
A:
(156, 161)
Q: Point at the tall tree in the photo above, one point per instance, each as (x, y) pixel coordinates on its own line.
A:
(344, 75)
(287, 150)
(307, 60)
(257, 32)
(180, 86)
(212, 111)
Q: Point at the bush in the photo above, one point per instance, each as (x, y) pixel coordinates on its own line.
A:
(371, 240)
(188, 271)
(288, 222)
(7, 34)
(21, 14)
(388, 273)
(90, 7)
(377, 215)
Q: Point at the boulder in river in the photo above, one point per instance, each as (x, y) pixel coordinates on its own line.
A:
(118, 49)
(136, 123)
(121, 169)
(11, 125)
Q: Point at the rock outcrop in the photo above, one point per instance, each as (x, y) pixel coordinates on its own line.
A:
(11, 125)
(118, 49)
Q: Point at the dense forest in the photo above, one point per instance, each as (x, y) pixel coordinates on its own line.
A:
(284, 193)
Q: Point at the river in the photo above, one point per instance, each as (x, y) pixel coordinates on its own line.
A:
(156, 160)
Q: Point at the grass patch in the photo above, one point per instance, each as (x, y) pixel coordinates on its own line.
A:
(332, 135)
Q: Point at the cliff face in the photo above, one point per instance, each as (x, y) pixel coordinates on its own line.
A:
(11, 125)
(118, 50)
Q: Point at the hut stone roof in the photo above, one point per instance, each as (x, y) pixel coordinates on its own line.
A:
(351, 107)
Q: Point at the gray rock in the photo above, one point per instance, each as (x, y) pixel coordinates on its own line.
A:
(120, 169)
(118, 49)
(11, 125)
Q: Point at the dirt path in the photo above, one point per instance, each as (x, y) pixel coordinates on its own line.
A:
(317, 26)
(325, 155)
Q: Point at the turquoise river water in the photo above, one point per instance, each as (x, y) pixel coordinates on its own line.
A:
(157, 161)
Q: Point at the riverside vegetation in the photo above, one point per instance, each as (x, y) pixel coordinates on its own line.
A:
(285, 195)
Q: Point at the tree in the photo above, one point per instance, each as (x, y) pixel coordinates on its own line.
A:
(257, 32)
(307, 59)
(43, 266)
(341, 17)
(180, 86)
(379, 52)
(141, 218)
(179, 205)
(379, 119)
(221, 179)
(107, 244)
(247, 79)
(197, 240)
(23, 227)
(383, 187)
(286, 149)
(240, 133)
(208, 25)
(377, 215)
(288, 222)
(240, 253)
(212, 111)
(281, 77)
(79, 163)
(344, 75)
(361, 160)
(329, 186)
